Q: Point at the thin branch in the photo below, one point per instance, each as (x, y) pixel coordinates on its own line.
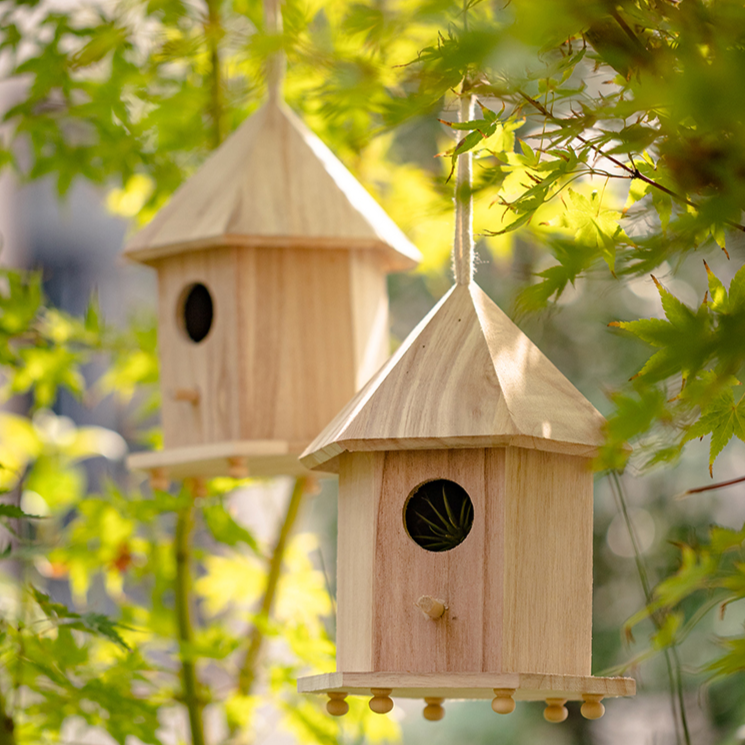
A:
(673, 665)
(7, 727)
(710, 487)
(247, 676)
(182, 548)
(633, 173)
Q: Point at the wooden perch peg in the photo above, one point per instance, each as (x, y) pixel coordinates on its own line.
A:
(381, 702)
(191, 395)
(434, 710)
(503, 702)
(159, 479)
(197, 486)
(592, 708)
(555, 710)
(432, 608)
(237, 468)
(336, 705)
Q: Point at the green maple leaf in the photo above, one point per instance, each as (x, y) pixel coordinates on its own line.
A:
(684, 338)
(593, 225)
(723, 419)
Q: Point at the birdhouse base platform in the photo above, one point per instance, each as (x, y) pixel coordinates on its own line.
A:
(526, 686)
(239, 459)
(502, 688)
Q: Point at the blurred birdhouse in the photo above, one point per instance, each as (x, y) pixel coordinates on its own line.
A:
(271, 263)
(465, 523)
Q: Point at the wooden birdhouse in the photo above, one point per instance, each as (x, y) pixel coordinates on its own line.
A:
(271, 263)
(465, 523)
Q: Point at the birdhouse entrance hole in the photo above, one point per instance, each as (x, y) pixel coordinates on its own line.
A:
(438, 515)
(196, 312)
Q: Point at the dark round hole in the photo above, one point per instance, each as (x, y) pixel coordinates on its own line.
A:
(197, 312)
(438, 515)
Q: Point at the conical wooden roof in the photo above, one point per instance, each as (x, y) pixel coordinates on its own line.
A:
(465, 377)
(273, 183)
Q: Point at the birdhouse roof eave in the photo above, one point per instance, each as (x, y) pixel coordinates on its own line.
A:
(465, 377)
(392, 260)
(272, 182)
(321, 458)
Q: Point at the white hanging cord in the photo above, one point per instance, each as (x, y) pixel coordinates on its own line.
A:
(463, 242)
(277, 63)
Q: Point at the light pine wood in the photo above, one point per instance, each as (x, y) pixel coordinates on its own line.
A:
(381, 702)
(465, 377)
(467, 637)
(547, 623)
(273, 183)
(369, 293)
(211, 366)
(592, 708)
(555, 711)
(336, 705)
(504, 701)
(297, 344)
(434, 711)
(293, 334)
(431, 608)
(458, 686)
(261, 457)
(360, 478)
(518, 590)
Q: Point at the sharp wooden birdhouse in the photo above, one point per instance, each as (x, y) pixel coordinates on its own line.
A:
(465, 523)
(271, 263)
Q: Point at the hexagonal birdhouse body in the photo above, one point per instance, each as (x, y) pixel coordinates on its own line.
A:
(272, 263)
(465, 519)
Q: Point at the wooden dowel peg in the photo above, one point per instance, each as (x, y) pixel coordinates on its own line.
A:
(336, 705)
(191, 395)
(381, 702)
(237, 468)
(503, 702)
(592, 708)
(159, 479)
(431, 607)
(555, 710)
(197, 486)
(434, 710)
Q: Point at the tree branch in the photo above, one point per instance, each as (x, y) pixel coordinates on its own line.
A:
(182, 549)
(247, 676)
(633, 173)
(7, 727)
(710, 487)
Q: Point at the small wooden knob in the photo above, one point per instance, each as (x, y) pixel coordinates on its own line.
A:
(381, 702)
(336, 705)
(434, 710)
(503, 702)
(431, 607)
(197, 486)
(592, 708)
(159, 479)
(191, 395)
(555, 710)
(237, 468)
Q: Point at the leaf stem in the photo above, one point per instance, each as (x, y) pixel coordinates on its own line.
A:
(247, 676)
(711, 487)
(182, 548)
